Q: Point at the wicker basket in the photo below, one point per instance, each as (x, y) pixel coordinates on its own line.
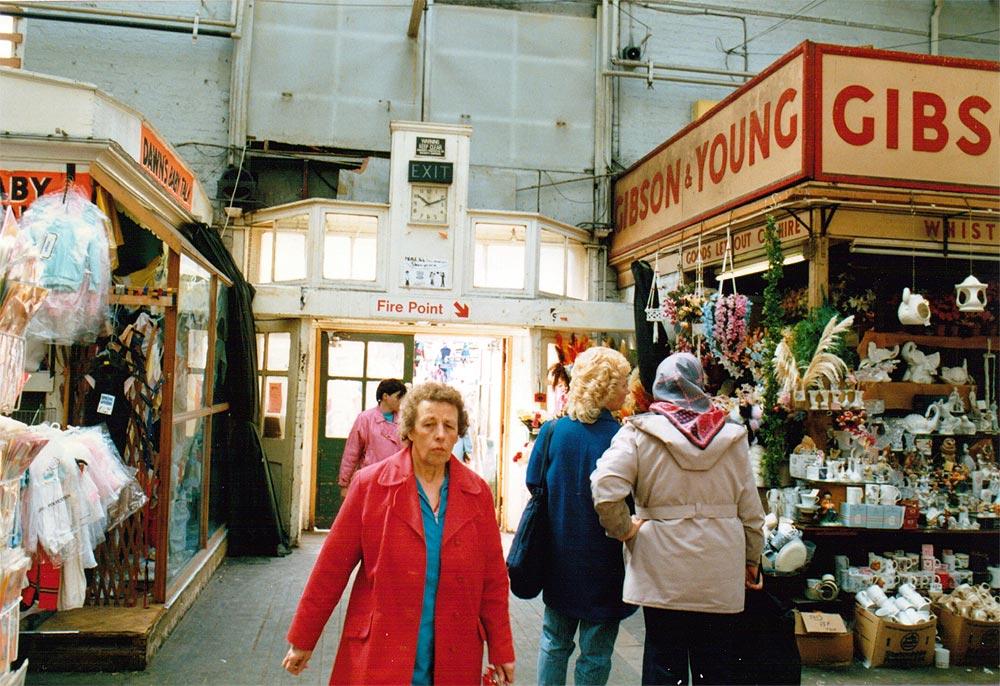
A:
(11, 371)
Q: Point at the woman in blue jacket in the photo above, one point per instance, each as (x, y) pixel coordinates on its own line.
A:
(584, 568)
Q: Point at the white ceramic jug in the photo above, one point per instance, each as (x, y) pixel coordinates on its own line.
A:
(914, 309)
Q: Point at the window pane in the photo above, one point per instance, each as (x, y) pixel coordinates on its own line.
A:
(260, 351)
(220, 459)
(275, 406)
(350, 246)
(343, 405)
(370, 388)
(385, 360)
(346, 358)
(192, 336)
(278, 349)
(364, 266)
(499, 256)
(551, 267)
(264, 264)
(290, 256)
(185, 494)
(336, 257)
(576, 270)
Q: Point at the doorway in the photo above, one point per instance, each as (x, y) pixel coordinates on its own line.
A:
(350, 368)
(475, 366)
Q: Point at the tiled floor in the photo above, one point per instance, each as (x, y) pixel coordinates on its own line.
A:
(234, 635)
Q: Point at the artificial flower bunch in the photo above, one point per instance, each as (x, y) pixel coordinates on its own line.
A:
(726, 319)
(683, 307)
(533, 419)
(854, 423)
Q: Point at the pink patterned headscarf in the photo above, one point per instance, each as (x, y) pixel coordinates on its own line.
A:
(680, 396)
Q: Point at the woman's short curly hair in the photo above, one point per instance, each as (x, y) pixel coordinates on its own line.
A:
(596, 372)
(435, 393)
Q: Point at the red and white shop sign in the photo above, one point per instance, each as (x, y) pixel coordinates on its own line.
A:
(898, 119)
(744, 243)
(825, 112)
(752, 143)
(18, 189)
(167, 168)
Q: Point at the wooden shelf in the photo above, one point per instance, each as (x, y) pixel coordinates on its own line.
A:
(898, 395)
(147, 300)
(887, 340)
(860, 531)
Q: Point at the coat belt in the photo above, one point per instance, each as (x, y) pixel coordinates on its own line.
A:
(696, 511)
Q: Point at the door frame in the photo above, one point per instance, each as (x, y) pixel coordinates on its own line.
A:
(506, 334)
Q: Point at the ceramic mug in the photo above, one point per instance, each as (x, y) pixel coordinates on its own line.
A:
(876, 594)
(994, 577)
(888, 494)
(812, 589)
(872, 494)
(864, 600)
(908, 616)
(855, 495)
(904, 564)
(962, 560)
(949, 562)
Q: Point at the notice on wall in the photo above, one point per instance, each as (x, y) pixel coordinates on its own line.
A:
(425, 272)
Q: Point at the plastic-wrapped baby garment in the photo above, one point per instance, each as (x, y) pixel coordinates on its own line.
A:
(71, 236)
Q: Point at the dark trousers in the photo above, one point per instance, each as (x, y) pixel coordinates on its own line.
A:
(673, 638)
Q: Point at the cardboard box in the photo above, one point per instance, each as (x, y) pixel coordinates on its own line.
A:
(823, 639)
(854, 514)
(878, 642)
(970, 641)
(873, 516)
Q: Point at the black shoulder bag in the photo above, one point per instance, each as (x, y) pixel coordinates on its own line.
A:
(526, 559)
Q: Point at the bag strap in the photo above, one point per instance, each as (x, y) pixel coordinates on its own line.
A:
(544, 447)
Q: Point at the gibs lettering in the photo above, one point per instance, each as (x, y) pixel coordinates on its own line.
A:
(860, 114)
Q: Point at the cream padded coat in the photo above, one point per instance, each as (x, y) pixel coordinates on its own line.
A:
(704, 514)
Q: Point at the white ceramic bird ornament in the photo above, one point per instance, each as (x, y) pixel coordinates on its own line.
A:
(956, 375)
(921, 366)
(878, 363)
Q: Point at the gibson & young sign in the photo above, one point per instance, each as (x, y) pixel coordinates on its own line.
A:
(821, 112)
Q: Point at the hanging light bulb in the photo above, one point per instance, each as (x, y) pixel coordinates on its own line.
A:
(970, 295)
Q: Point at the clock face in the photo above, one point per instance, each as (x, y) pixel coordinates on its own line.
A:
(428, 204)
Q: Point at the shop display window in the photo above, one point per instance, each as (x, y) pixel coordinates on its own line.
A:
(500, 255)
(350, 246)
(186, 476)
(193, 313)
(285, 237)
(562, 266)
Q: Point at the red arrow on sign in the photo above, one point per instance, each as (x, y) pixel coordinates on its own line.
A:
(461, 310)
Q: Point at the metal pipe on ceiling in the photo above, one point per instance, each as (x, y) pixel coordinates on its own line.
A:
(619, 62)
(53, 7)
(123, 23)
(673, 79)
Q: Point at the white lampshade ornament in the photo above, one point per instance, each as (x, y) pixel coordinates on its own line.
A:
(970, 295)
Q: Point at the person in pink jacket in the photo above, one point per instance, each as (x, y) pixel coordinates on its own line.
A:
(374, 435)
(432, 585)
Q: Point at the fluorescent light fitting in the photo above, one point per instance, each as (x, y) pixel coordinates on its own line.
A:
(757, 267)
(959, 253)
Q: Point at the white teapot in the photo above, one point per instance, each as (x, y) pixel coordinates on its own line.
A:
(914, 309)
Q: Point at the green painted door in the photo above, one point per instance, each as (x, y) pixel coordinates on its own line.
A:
(351, 368)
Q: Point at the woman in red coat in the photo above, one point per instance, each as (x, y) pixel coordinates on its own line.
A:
(432, 587)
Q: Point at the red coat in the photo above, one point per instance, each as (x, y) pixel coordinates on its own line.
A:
(379, 525)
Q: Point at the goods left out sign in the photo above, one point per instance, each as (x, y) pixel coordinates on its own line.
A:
(165, 167)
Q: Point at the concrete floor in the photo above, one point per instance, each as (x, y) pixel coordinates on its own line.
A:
(234, 635)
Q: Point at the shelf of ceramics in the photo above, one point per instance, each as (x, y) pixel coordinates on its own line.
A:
(839, 529)
(898, 395)
(888, 340)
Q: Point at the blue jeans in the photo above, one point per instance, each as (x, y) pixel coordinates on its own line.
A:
(597, 643)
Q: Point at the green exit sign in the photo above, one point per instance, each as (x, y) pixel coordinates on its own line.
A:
(430, 172)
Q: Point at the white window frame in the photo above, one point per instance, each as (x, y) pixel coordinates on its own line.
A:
(569, 234)
(317, 209)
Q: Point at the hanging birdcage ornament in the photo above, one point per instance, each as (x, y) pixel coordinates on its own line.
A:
(970, 295)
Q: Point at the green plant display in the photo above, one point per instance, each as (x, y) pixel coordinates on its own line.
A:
(772, 430)
(806, 334)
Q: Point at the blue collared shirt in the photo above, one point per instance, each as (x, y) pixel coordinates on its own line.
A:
(423, 670)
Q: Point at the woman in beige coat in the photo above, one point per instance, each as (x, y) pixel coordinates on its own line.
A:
(695, 542)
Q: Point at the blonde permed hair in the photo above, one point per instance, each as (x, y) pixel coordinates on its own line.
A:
(435, 393)
(596, 372)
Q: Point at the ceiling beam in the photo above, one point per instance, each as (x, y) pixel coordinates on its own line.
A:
(413, 30)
